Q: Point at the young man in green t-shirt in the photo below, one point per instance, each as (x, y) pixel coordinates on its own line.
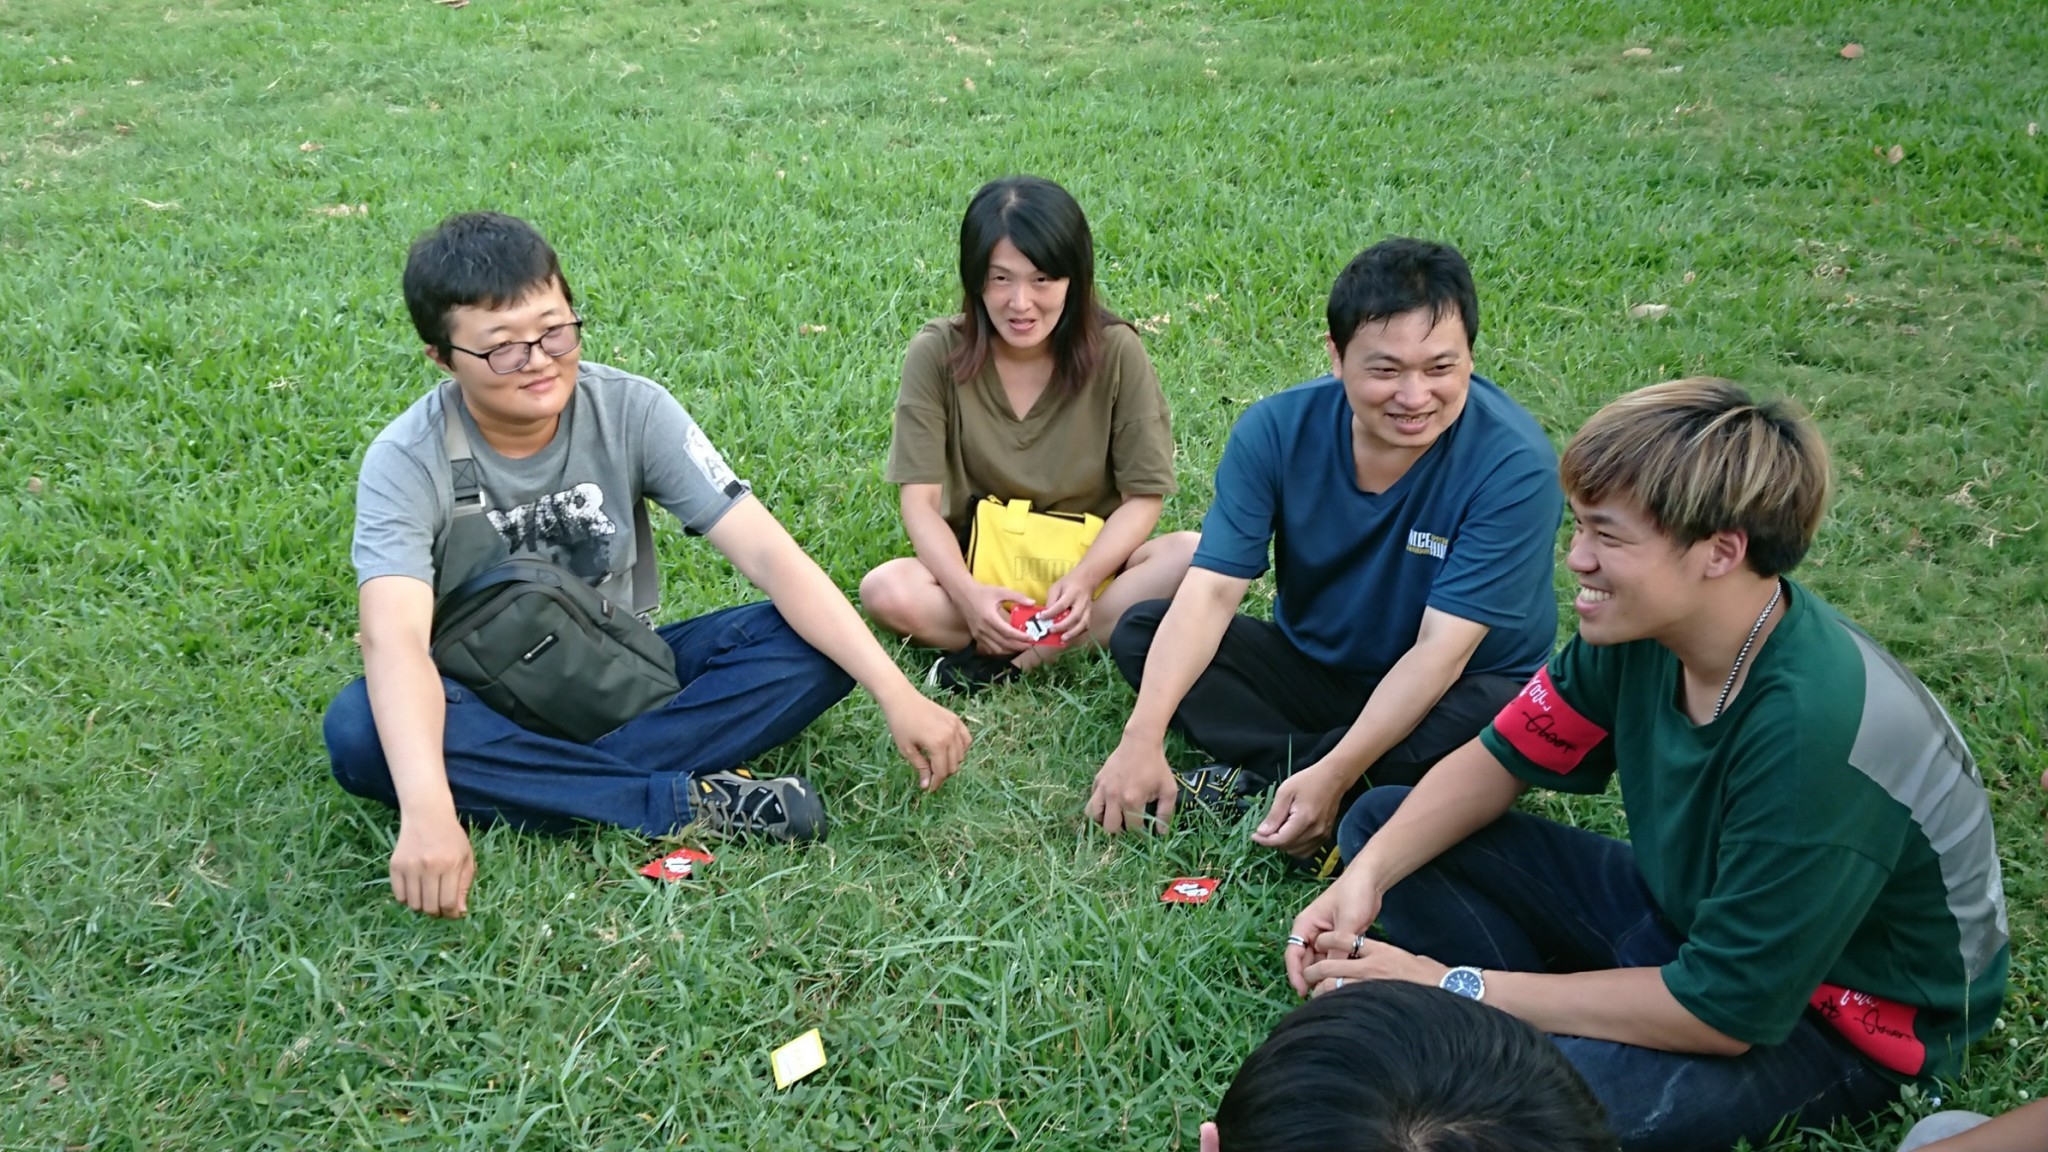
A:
(1808, 912)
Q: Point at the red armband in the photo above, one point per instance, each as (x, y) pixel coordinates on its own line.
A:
(1879, 1028)
(1545, 728)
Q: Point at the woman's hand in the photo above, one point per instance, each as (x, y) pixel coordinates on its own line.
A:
(1069, 605)
(988, 619)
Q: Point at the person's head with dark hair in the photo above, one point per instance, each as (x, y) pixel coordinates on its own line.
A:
(1390, 1066)
(489, 301)
(481, 259)
(1027, 281)
(1402, 319)
(1402, 274)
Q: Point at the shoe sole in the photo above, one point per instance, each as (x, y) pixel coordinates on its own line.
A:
(1228, 802)
(962, 686)
(1322, 863)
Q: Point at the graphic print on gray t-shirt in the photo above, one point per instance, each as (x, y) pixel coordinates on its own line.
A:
(621, 437)
(569, 528)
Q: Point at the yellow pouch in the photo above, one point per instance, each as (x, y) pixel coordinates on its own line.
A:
(1014, 547)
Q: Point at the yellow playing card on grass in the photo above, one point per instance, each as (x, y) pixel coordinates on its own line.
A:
(798, 1058)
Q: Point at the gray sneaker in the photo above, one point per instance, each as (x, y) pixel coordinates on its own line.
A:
(736, 804)
(1941, 1126)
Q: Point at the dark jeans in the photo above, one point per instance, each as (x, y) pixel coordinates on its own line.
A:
(1265, 707)
(749, 683)
(1526, 894)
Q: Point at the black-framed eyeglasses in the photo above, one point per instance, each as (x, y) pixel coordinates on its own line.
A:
(513, 355)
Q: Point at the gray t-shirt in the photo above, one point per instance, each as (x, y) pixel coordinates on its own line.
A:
(622, 437)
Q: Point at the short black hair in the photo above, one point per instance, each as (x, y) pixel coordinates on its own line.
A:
(1399, 275)
(1389, 1066)
(487, 259)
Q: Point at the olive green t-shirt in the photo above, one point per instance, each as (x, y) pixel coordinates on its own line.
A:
(1079, 450)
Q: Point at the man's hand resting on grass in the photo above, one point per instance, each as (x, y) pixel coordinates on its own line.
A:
(929, 736)
(432, 865)
(1135, 775)
(1304, 812)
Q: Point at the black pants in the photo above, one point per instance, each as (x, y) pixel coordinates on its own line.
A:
(1265, 707)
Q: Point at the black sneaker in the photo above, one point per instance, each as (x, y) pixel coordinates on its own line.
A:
(969, 671)
(735, 804)
(1218, 788)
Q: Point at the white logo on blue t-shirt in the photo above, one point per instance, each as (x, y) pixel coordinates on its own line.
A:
(1427, 543)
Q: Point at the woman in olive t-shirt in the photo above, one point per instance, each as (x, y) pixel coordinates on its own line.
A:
(1034, 392)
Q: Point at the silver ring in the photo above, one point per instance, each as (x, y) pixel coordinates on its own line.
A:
(1339, 983)
(1296, 942)
(1357, 945)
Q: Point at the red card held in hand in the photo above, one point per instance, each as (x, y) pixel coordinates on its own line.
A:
(1024, 618)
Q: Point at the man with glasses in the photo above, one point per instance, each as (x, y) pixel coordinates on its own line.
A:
(564, 451)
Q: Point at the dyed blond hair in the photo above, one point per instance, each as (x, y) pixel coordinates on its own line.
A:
(1702, 457)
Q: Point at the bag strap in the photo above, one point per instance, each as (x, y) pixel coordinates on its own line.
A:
(1017, 517)
(467, 481)
(646, 579)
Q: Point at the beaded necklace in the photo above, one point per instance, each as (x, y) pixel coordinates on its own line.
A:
(1747, 644)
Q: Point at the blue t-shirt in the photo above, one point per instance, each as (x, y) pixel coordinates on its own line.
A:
(1470, 530)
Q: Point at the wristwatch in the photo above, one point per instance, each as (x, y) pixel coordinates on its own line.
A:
(1464, 981)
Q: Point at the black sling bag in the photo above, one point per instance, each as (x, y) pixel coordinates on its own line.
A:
(528, 636)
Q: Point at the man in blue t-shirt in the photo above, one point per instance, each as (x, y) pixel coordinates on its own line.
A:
(1412, 510)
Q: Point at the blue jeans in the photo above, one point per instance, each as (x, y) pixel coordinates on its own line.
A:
(749, 683)
(1525, 894)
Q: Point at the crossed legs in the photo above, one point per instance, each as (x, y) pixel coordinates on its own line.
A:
(903, 596)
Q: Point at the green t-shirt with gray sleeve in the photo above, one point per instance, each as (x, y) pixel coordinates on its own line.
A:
(1824, 845)
(622, 438)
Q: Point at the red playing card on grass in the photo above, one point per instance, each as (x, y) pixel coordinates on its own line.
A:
(1189, 890)
(677, 865)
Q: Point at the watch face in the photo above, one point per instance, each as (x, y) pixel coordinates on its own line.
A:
(1464, 982)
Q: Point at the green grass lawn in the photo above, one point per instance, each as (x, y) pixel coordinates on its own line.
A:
(204, 206)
